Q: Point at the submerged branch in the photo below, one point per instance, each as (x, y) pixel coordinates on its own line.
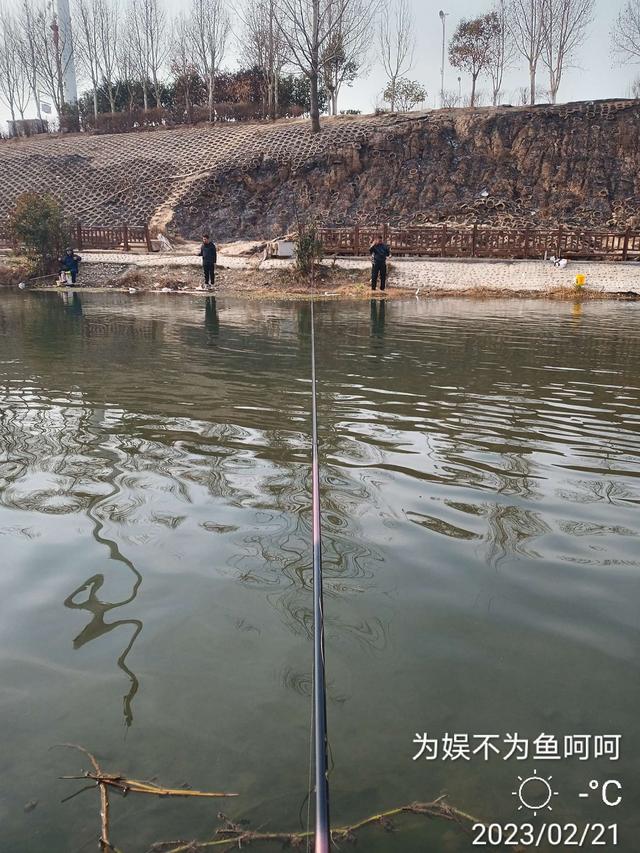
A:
(240, 836)
(232, 835)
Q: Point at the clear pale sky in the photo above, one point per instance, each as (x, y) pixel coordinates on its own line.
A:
(595, 73)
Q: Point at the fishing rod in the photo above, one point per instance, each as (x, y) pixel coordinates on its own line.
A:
(322, 829)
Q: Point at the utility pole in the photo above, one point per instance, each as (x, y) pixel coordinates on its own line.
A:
(443, 16)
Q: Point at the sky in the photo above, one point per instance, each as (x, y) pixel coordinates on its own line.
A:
(595, 74)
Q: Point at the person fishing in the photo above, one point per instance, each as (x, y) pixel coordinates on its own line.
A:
(70, 263)
(379, 252)
(209, 257)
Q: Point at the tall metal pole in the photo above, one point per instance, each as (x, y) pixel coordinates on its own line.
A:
(322, 833)
(442, 18)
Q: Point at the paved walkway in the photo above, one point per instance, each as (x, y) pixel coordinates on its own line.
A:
(425, 274)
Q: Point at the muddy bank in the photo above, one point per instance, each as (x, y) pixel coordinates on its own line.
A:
(349, 277)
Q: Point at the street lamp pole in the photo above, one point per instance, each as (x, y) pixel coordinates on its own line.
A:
(443, 16)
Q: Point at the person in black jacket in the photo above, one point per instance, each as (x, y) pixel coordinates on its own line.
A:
(379, 253)
(209, 256)
(70, 263)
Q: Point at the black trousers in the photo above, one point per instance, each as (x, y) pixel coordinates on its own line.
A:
(209, 274)
(380, 269)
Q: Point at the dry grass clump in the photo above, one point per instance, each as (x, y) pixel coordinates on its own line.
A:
(12, 271)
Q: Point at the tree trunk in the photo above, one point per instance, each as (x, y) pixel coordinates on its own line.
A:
(315, 65)
(211, 82)
(532, 82)
(474, 79)
(315, 109)
(95, 101)
(145, 96)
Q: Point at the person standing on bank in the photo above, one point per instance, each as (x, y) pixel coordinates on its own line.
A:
(379, 252)
(209, 257)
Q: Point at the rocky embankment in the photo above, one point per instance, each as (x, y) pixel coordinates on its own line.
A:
(576, 164)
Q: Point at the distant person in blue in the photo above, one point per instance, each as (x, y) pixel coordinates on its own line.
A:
(209, 257)
(379, 252)
(70, 263)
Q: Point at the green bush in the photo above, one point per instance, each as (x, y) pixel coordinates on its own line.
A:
(39, 230)
(308, 247)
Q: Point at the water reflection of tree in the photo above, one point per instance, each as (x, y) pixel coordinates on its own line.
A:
(97, 627)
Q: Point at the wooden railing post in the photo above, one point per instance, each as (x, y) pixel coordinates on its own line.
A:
(147, 236)
(356, 241)
(559, 246)
(79, 235)
(443, 242)
(474, 239)
(625, 245)
(125, 237)
(526, 242)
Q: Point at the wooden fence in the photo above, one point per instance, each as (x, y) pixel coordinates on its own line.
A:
(446, 241)
(124, 237)
(112, 237)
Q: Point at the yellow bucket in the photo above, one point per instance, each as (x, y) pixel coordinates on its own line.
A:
(581, 279)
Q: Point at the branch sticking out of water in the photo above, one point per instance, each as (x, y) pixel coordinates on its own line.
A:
(107, 781)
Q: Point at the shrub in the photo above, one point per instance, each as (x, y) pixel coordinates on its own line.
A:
(37, 225)
(308, 247)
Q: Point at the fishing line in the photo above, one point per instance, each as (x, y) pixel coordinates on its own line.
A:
(322, 827)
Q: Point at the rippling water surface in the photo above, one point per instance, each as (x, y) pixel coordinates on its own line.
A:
(481, 501)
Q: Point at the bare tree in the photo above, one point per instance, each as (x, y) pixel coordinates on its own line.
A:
(526, 24)
(107, 17)
(14, 85)
(344, 55)
(470, 46)
(147, 35)
(263, 44)
(128, 63)
(397, 46)
(315, 30)
(182, 62)
(50, 52)
(626, 34)
(564, 26)
(29, 54)
(500, 53)
(134, 52)
(209, 34)
(87, 45)
(450, 99)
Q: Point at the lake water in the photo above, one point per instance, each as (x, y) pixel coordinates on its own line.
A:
(481, 507)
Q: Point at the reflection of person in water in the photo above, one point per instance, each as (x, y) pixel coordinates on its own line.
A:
(211, 320)
(378, 308)
(97, 627)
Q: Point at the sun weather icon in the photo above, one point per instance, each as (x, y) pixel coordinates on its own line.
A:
(535, 793)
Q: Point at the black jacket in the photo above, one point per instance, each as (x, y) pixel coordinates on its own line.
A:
(208, 253)
(70, 262)
(379, 252)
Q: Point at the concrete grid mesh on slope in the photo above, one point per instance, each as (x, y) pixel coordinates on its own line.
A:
(104, 180)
